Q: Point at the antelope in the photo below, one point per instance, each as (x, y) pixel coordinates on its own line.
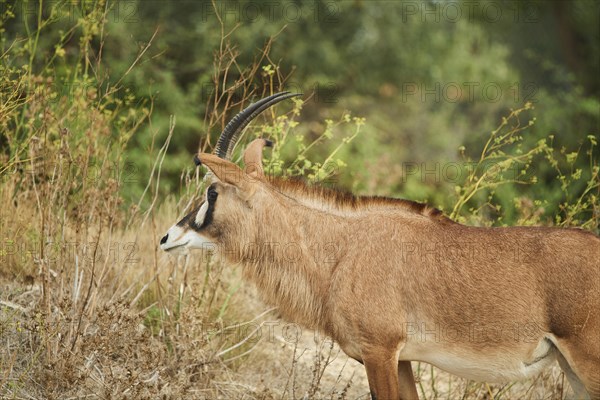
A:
(394, 281)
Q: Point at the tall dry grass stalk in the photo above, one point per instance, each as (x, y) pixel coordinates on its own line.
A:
(88, 306)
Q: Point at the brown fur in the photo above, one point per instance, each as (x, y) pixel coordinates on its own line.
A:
(323, 198)
(393, 281)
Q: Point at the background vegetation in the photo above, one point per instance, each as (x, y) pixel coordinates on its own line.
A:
(488, 110)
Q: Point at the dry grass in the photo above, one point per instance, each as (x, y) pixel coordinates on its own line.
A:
(128, 321)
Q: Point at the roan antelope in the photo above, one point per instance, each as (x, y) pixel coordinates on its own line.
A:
(400, 282)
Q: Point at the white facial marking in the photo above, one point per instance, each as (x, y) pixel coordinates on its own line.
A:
(180, 240)
(201, 213)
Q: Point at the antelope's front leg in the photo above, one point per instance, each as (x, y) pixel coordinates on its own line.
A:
(382, 373)
(406, 380)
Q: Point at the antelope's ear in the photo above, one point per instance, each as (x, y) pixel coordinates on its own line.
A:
(253, 158)
(227, 172)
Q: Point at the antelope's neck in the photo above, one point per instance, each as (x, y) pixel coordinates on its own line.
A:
(291, 258)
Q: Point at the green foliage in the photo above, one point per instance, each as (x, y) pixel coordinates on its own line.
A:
(427, 82)
(506, 161)
(291, 155)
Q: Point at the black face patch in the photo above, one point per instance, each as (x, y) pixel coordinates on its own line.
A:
(212, 194)
(211, 197)
(208, 217)
(190, 219)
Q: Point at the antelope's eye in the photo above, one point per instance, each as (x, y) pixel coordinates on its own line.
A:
(212, 195)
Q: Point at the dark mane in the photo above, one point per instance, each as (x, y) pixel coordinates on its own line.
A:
(343, 200)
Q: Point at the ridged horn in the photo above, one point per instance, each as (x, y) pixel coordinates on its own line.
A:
(234, 128)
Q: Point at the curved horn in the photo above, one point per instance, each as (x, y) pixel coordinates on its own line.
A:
(234, 128)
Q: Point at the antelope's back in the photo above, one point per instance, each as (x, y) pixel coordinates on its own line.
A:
(552, 275)
(571, 275)
(545, 276)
